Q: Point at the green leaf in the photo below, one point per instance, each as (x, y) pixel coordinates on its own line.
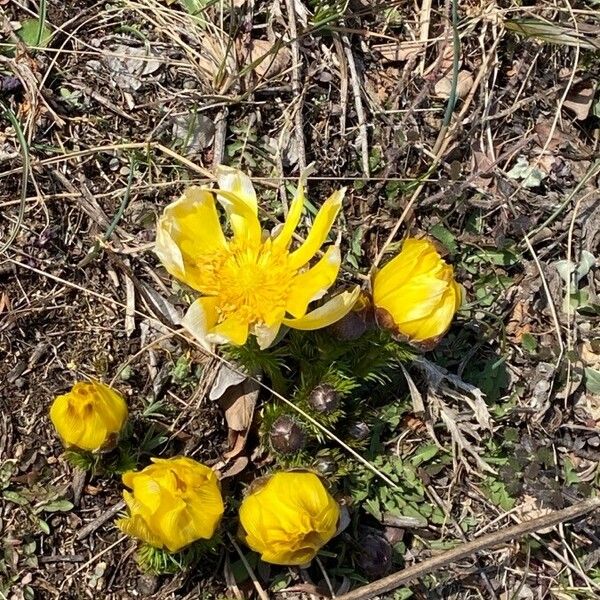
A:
(45, 528)
(496, 491)
(32, 34)
(592, 380)
(15, 497)
(445, 236)
(529, 343)
(57, 506)
(424, 454)
(570, 474)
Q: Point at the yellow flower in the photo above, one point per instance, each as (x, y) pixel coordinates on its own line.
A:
(415, 293)
(89, 417)
(289, 518)
(173, 502)
(250, 283)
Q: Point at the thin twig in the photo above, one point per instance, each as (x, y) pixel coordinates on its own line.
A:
(296, 85)
(259, 590)
(24, 174)
(99, 521)
(491, 540)
(363, 135)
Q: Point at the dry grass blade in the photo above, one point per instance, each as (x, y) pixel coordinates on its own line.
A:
(552, 33)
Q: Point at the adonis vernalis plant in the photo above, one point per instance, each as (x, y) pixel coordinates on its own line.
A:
(253, 282)
(415, 294)
(172, 503)
(288, 517)
(89, 417)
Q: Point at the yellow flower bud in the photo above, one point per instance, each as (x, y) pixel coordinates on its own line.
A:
(89, 417)
(289, 518)
(415, 294)
(172, 503)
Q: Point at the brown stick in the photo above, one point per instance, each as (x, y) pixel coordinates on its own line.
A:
(99, 521)
(496, 538)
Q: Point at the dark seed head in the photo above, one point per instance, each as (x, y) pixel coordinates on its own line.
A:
(358, 430)
(324, 398)
(375, 557)
(325, 466)
(286, 435)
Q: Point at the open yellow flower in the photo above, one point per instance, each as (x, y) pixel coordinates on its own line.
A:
(415, 293)
(251, 283)
(289, 518)
(172, 503)
(89, 417)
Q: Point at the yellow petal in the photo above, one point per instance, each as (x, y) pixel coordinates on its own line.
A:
(230, 331)
(437, 321)
(331, 312)
(417, 299)
(188, 230)
(319, 231)
(313, 283)
(200, 318)
(94, 434)
(135, 526)
(284, 237)
(111, 406)
(416, 255)
(289, 518)
(66, 420)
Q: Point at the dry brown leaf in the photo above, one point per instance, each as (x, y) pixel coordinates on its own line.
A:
(236, 467)
(237, 396)
(580, 98)
(270, 61)
(399, 51)
(4, 302)
(237, 443)
(517, 327)
(530, 509)
(443, 87)
(238, 402)
(482, 166)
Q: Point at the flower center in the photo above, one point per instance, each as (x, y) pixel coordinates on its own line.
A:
(252, 282)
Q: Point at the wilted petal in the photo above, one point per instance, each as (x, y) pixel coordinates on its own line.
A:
(265, 335)
(237, 196)
(319, 231)
(239, 184)
(332, 311)
(312, 284)
(200, 318)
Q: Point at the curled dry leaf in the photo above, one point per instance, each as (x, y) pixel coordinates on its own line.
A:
(237, 396)
(443, 87)
(580, 98)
